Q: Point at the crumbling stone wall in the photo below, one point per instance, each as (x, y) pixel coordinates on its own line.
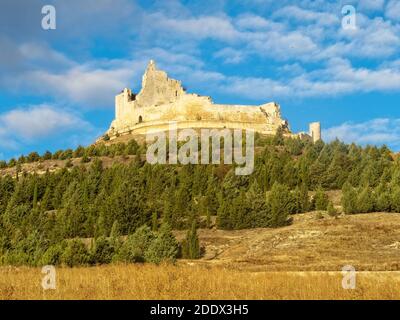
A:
(162, 100)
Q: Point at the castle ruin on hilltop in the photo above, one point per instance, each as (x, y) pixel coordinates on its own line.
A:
(163, 100)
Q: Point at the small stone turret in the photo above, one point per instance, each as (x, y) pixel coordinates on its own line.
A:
(315, 131)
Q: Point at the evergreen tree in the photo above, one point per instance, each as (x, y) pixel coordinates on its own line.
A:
(191, 246)
(135, 246)
(164, 247)
(349, 197)
(279, 200)
(365, 201)
(321, 199)
(383, 202)
(395, 203)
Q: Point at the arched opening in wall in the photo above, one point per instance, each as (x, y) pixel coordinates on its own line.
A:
(140, 119)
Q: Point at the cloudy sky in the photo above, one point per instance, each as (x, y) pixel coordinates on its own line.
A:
(57, 87)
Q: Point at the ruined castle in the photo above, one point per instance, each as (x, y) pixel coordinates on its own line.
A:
(163, 100)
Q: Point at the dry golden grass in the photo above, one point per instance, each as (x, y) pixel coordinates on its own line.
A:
(369, 242)
(193, 282)
(301, 261)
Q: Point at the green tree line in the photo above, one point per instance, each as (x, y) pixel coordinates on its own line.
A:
(56, 210)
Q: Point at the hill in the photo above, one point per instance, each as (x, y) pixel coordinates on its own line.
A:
(369, 242)
(108, 193)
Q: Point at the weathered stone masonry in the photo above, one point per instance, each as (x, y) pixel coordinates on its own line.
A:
(162, 100)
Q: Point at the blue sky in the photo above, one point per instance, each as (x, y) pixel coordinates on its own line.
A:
(57, 87)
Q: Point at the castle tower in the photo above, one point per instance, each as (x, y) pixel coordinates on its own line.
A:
(315, 131)
(158, 88)
(122, 106)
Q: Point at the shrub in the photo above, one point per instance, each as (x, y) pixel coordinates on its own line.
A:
(33, 157)
(318, 215)
(52, 255)
(136, 245)
(69, 164)
(332, 212)
(85, 159)
(12, 162)
(47, 155)
(102, 251)
(164, 247)
(75, 254)
(79, 152)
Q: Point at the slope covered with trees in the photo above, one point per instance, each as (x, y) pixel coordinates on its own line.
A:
(40, 214)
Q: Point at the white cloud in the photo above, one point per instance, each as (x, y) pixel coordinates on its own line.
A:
(338, 77)
(32, 127)
(254, 22)
(230, 55)
(38, 121)
(306, 35)
(371, 4)
(89, 87)
(42, 55)
(306, 16)
(375, 131)
(374, 38)
(202, 27)
(393, 10)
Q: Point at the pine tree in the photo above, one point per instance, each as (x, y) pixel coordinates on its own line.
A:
(365, 201)
(383, 199)
(395, 203)
(136, 245)
(279, 200)
(321, 199)
(349, 197)
(191, 244)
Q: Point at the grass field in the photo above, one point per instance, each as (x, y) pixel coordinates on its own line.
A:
(300, 261)
(193, 282)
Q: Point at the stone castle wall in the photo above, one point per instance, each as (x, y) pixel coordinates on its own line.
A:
(163, 100)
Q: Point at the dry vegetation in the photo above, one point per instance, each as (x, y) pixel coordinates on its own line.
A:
(283, 263)
(41, 167)
(193, 282)
(369, 242)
